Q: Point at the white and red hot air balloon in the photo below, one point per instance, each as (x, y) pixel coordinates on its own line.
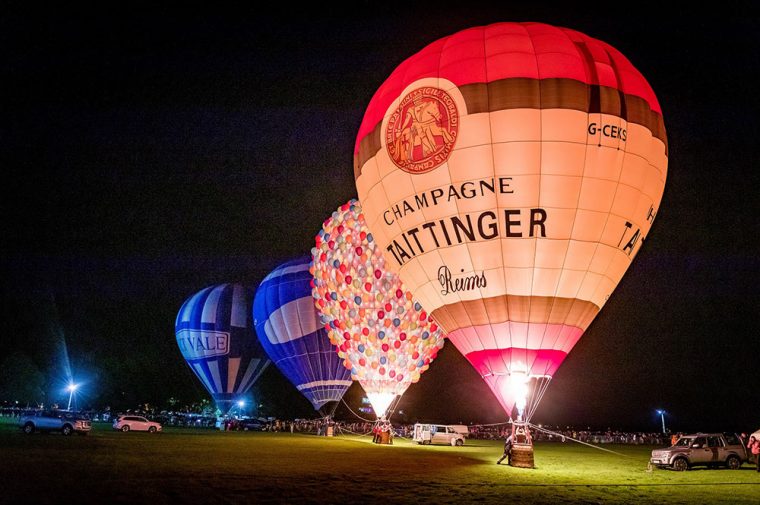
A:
(510, 174)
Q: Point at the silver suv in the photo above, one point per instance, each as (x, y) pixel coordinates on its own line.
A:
(709, 449)
(45, 420)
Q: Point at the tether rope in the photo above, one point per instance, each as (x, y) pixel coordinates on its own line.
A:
(341, 429)
(354, 413)
(538, 428)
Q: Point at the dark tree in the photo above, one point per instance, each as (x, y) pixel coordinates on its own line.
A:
(21, 380)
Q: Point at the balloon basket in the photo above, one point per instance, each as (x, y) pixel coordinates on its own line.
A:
(522, 456)
(522, 448)
(330, 431)
(384, 437)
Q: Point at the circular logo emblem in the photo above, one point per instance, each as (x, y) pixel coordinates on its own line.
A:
(422, 131)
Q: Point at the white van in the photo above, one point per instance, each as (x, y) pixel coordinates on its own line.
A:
(449, 434)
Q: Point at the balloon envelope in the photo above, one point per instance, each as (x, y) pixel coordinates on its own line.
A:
(289, 329)
(510, 173)
(216, 338)
(383, 335)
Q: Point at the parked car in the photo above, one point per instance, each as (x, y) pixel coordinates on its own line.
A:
(135, 423)
(251, 425)
(54, 420)
(711, 449)
(449, 434)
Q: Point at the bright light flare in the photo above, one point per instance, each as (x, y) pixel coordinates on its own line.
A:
(518, 388)
(662, 413)
(71, 388)
(380, 402)
(241, 403)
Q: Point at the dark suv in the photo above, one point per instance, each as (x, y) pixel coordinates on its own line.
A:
(710, 449)
(251, 425)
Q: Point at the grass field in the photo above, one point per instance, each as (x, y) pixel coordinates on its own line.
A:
(200, 466)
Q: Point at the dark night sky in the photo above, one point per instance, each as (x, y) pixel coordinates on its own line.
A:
(150, 154)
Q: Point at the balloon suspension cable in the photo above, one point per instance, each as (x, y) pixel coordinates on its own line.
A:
(390, 410)
(542, 384)
(539, 428)
(329, 412)
(325, 418)
(355, 414)
(334, 408)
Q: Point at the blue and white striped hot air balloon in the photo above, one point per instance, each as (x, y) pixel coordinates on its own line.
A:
(216, 338)
(290, 330)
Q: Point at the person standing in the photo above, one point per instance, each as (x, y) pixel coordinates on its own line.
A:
(754, 447)
(507, 451)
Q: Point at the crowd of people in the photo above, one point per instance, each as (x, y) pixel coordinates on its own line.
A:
(753, 444)
(555, 434)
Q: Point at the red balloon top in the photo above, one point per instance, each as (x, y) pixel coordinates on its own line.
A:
(511, 50)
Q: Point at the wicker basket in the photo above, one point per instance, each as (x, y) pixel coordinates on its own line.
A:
(522, 456)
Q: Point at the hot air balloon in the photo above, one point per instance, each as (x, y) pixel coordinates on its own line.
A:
(510, 174)
(380, 332)
(216, 338)
(289, 328)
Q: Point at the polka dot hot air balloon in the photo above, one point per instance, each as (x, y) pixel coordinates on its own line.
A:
(382, 334)
(510, 174)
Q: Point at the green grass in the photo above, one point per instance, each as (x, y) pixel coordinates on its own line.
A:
(199, 466)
